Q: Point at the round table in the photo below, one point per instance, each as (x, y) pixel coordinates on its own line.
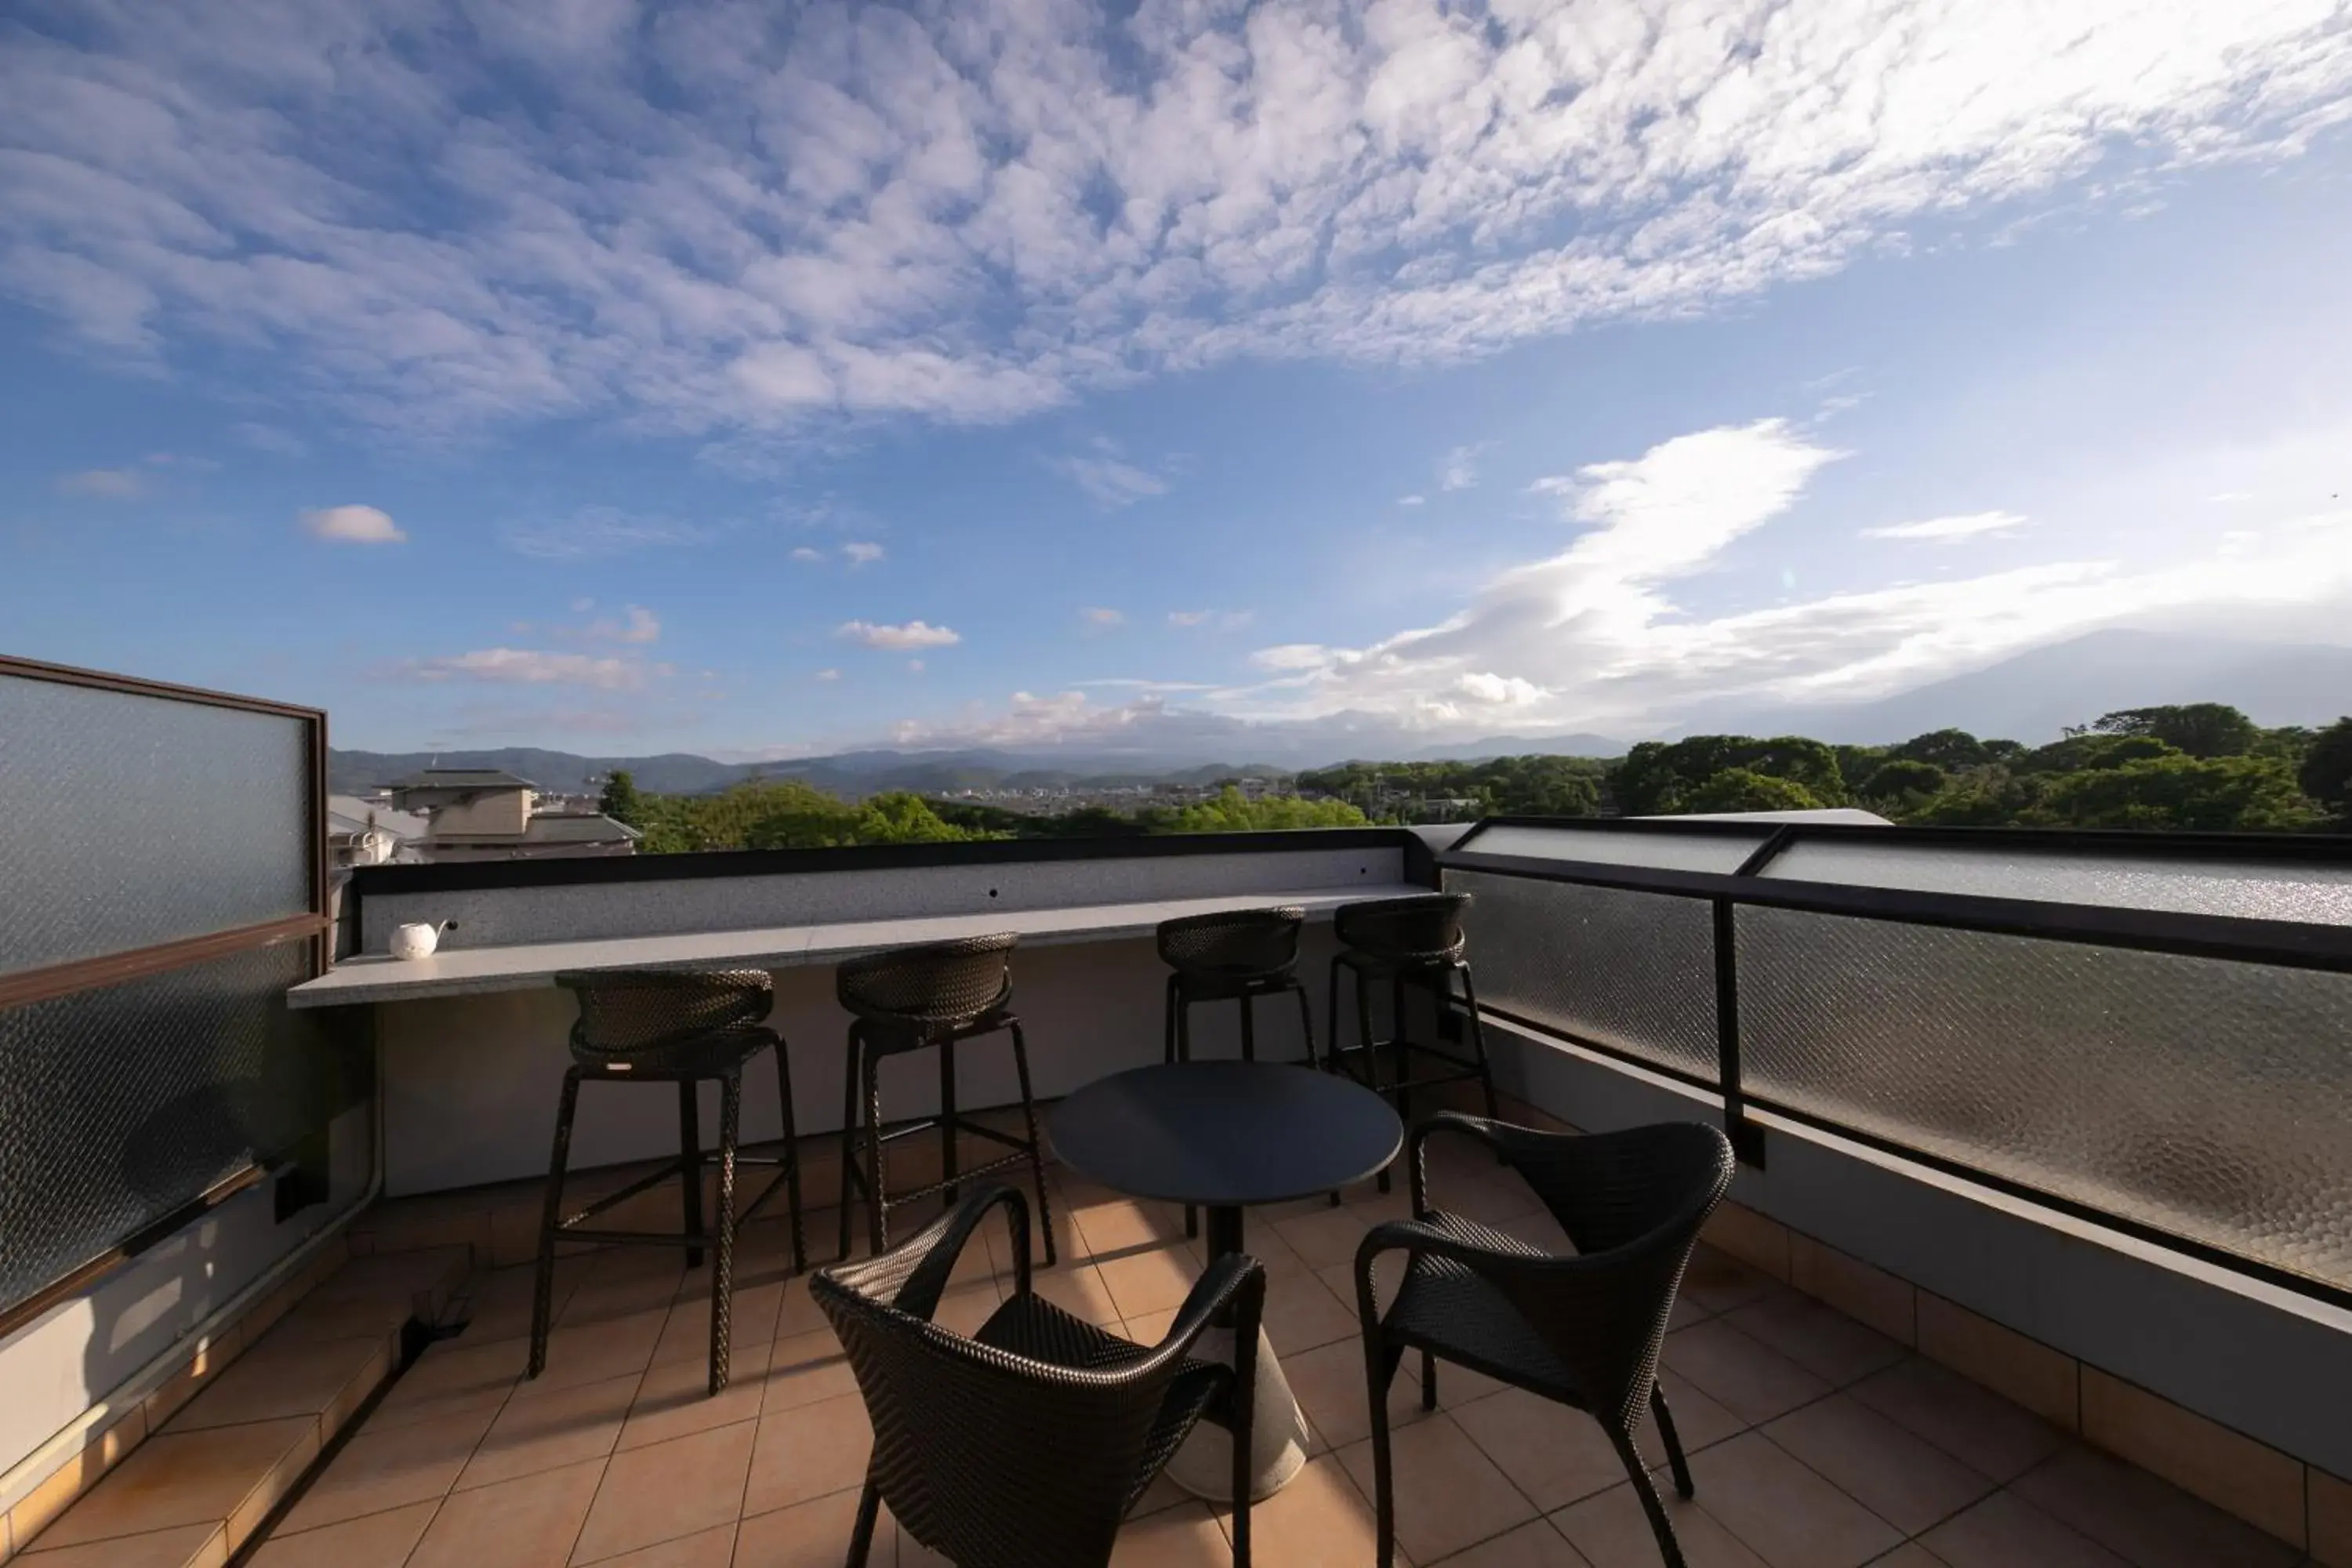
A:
(1223, 1135)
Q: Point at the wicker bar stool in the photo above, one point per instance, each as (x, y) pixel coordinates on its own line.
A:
(1231, 956)
(1414, 941)
(682, 1027)
(922, 998)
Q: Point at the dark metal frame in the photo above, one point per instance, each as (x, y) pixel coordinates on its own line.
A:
(50, 982)
(2280, 943)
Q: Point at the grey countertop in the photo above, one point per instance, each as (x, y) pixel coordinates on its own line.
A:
(460, 972)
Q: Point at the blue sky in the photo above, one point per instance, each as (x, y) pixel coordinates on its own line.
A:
(634, 378)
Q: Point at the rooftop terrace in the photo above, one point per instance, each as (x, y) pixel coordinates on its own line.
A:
(2040, 1249)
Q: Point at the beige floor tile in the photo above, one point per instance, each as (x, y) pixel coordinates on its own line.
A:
(713, 1548)
(1904, 1479)
(1151, 1280)
(185, 1478)
(1449, 1495)
(530, 1523)
(2147, 1522)
(2250, 1480)
(1720, 1282)
(813, 1534)
(1539, 1544)
(1318, 1520)
(1699, 1419)
(563, 1427)
(1113, 1227)
(809, 1452)
(1687, 1310)
(2006, 1531)
(1827, 1343)
(373, 1541)
(387, 1469)
(189, 1546)
(1301, 1313)
(1330, 1384)
(1148, 1327)
(452, 1377)
(1910, 1554)
(1339, 1279)
(2020, 1369)
(1782, 1511)
(804, 1369)
(1182, 1537)
(659, 1493)
(1745, 1376)
(288, 1376)
(685, 1332)
(1975, 1425)
(674, 1399)
(1323, 1236)
(1372, 1206)
(800, 1314)
(1868, 1294)
(1077, 1288)
(1554, 1453)
(598, 1351)
(1612, 1531)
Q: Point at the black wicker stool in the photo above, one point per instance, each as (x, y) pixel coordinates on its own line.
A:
(921, 998)
(1232, 955)
(682, 1027)
(1418, 943)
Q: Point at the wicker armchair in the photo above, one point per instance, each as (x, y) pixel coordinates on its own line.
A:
(1025, 1446)
(1584, 1330)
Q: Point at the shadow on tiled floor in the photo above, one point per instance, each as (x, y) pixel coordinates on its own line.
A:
(1816, 1443)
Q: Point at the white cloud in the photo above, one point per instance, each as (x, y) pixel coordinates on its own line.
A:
(1226, 620)
(640, 626)
(1967, 525)
(1411, 501)
(914, 634)
(529, 667)
(352, 525)
(1097, 615)
(264, 438)
(802, 552)
(861, 554)
(1459, 471)
(828, 675)
(1498, 690)
(104, 484)
(1108, 477)
(599, 530)
(726, 220)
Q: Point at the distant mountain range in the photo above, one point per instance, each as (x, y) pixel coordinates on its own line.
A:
(2031, 697)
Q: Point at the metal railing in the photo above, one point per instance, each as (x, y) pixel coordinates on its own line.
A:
(2179, 1074)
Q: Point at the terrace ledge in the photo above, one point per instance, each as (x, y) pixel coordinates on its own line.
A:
(460, 972)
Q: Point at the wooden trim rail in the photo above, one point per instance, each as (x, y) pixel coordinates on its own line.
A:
(56, 980)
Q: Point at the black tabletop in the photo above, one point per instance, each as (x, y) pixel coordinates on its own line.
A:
(1226, 1133)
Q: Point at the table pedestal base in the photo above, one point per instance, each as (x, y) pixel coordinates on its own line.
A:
(1204, 1465)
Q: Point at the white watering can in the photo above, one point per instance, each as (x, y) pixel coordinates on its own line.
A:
(418, 940)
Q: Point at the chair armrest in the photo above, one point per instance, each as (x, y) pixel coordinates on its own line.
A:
(1506, 1139)
(1236, 1280)
(913, 1275)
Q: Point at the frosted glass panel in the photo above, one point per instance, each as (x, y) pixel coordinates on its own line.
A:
(135, 820)
(2204, 1098)
(1654, 851)
(2245, 889)
(119, 1105)
(1634, 972)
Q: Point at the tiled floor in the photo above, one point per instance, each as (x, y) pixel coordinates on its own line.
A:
(1815, 1442)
